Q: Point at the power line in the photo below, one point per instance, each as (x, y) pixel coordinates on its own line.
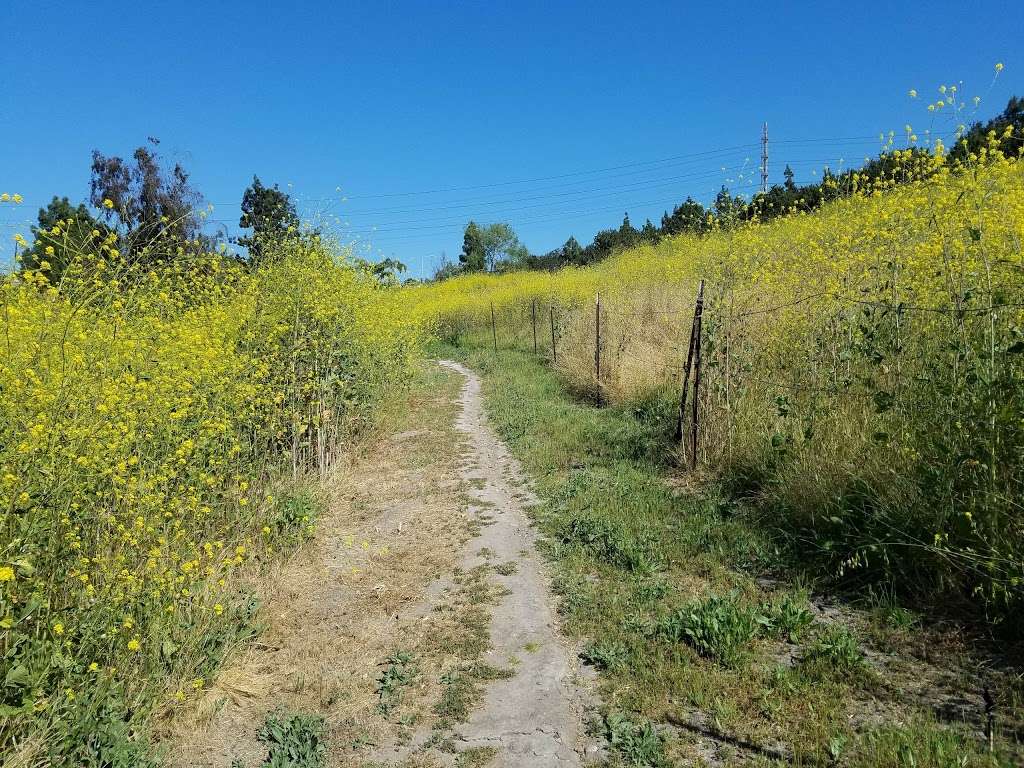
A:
(524, 222)
(554, 177)
(660, 183)
(475, 201)
(707, 154)
(648, 183)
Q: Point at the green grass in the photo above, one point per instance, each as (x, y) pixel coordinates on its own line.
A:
(661, 586)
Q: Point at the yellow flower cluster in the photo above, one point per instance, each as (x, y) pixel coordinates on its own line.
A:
(144, 410)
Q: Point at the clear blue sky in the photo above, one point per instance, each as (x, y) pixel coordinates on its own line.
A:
(390, 102)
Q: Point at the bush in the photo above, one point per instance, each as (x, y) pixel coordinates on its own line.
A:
(148, 420)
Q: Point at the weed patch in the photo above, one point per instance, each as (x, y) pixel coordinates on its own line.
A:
(294, 740)
(635, 743)
(835, 653)
(611, 656)
(611, 543)
(398, 673)
(719, 628)
(788, 617)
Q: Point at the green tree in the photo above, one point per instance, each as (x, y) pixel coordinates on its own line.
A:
(628, 236)
(269, 213)
(502, 249)
(386, 271)
(789, 185)
(572, 251)
(151, 202)
(473, 258)
(688, 216)
(491, 247)
(728, 209)
(62, 231)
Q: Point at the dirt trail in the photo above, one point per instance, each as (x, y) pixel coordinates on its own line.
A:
(534, 717)
(424, 549)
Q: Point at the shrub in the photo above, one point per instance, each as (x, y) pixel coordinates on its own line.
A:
(148, 420)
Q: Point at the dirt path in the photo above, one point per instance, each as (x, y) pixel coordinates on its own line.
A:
(416, 623)
(534, 717)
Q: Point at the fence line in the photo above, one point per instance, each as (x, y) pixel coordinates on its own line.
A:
(611, 359)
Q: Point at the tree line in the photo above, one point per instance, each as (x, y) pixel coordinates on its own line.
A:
(150, 210)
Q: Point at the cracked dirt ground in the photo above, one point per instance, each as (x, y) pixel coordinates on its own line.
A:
(425, 553)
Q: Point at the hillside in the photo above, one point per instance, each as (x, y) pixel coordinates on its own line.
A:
(861, 367)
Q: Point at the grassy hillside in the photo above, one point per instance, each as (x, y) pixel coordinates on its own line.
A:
(712, 646)
(863, 375)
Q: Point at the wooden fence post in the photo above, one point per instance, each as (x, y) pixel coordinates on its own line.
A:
(533, 316)
(689, 362)
(698, 319)
(554, 347)
(494, 329)
(597, 344)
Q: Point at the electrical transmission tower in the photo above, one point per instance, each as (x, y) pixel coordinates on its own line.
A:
(764, 159)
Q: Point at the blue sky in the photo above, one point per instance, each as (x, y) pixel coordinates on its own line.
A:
(555, 117)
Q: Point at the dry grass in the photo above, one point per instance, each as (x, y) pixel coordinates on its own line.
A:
(347, 600)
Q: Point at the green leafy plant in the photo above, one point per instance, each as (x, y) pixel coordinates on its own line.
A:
(835, 652)
(295, 741)
(607, 655)
(294, 517)
(788, 617)
(398, 673)
(637, 744)
(719, 628)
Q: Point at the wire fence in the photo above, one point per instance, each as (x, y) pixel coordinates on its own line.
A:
(609, 345)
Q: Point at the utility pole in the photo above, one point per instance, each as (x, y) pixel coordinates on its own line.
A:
(764, 159)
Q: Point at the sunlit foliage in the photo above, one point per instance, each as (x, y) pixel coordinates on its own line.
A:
(863, 365)
(150, 417)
